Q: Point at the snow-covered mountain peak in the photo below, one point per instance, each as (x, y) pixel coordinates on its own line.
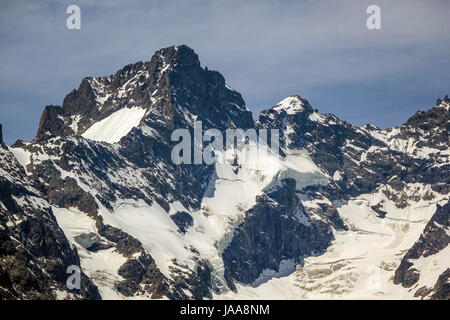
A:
(171, 89)
(292, 104)
(145, 227)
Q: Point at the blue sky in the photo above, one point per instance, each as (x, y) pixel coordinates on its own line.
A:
(267, 50)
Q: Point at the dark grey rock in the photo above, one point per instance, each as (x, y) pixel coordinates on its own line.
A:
(275, 229)
(433, 239)
(87, 240)
(183, 220)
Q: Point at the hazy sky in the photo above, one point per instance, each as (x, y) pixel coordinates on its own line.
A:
(267, 50)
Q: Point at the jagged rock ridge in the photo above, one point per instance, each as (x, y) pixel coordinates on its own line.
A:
(192, 231)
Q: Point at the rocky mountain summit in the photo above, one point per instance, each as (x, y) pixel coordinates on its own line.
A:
(97, 188)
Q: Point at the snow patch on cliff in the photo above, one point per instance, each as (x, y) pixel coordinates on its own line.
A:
(117, 125)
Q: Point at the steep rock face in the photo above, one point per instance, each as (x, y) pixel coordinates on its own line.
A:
(275, 229)
(34, 253)
(183, 220)
(433, 241)
(441, 290)
(51, 123)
